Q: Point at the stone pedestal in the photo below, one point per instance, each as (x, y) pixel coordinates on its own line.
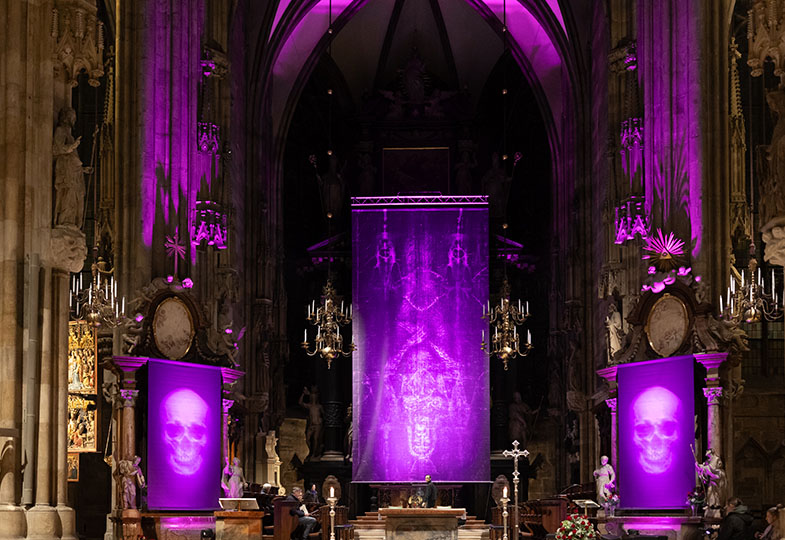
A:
(130, 525)
(238, 525)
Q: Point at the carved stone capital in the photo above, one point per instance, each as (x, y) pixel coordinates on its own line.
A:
(611, 403)
(713, 394)
(68, 249)
(227, 404)
(128, 397)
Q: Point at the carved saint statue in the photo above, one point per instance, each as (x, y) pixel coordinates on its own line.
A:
(330, 186)
(130, 476)
(233, 480)
(313, 427)
(518, 413)
(773, 184)
(69, 179)
(349, 432)
(496, 184)
(715, 482)
(605, 477)
(613, 325)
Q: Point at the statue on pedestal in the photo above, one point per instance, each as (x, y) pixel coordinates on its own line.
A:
(69, 179)
(233, 481)
(613, 324)
(715, 482)
(313, 427)
(130, 476)
(605, 477)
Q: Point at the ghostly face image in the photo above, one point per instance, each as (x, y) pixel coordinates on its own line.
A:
(655, 428)
(185, 430)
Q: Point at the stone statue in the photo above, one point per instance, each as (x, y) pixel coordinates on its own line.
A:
(463, 173)
(605, 477)
(496, 184)
(313, 427)
(233, 480)
(615, 334)
(518, 413)
(69, 179)
(349, 432)
(330, 186)
(366, 179)
(773, 183)
(130, 476)
(715, 483)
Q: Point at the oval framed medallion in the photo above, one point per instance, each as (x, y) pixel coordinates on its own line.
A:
(173, 328)
(667, 325)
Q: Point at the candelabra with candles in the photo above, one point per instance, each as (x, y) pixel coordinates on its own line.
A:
(504, 500)
(505, 341)
(752, 299)
(98, 303)
(331, 500)
(328, 319)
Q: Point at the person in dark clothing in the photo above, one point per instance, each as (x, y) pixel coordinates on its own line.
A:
(430, 492)
(305, 521)
(737, 523)
(312, 496)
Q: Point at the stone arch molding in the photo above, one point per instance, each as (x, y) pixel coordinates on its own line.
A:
(539, 42)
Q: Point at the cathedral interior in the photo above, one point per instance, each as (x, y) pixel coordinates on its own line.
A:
(202, 182)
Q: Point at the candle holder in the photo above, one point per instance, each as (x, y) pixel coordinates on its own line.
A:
(331, 501)
(504, 501)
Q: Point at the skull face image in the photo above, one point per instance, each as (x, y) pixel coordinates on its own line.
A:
(184, 416)
(656, 428)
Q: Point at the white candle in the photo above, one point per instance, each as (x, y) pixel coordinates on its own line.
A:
(305, 336)
(504, 493)
(332, 492)
(529, 336)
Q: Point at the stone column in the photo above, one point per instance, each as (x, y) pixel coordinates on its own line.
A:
(611, 402)
(227, 404)
(713, 393)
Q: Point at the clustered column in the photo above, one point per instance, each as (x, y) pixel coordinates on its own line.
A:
(713, 393)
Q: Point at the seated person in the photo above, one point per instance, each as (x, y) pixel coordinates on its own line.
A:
(305, 521)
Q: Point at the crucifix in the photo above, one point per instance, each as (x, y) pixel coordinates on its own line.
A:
(515, 454)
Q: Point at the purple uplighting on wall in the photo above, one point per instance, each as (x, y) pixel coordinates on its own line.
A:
(420, 379)
(184, 436)
(656, 431)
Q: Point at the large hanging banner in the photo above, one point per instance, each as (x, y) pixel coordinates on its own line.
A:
(420, 379)
(656, 433)
(184, 436)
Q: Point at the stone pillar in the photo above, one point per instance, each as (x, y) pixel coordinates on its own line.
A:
(227, 404)
(713, 393)
(611, 402)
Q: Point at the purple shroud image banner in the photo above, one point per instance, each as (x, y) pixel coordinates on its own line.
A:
(184, 436)
(656, 429)
(420, 379)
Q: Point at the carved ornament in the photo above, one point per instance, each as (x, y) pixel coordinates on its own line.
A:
(78, 40)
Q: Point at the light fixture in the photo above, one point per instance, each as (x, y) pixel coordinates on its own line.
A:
(98, 303)
(751, 297)
(505, 340)
(328, 318)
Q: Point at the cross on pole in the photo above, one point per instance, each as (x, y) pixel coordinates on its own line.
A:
(515, 454)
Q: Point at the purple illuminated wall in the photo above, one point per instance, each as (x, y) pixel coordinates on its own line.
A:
(184, 436)
(420, 379)
(656, 429)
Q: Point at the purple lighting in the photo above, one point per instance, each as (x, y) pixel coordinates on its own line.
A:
(184, 435)
(420, 379)
(656, 429)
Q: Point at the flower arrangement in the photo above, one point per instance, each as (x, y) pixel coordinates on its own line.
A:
(696, 497)
(576, 527)
(613, 500)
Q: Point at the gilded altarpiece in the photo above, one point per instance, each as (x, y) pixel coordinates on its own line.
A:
(82, 387)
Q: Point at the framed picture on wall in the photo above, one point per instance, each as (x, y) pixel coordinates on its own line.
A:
(73, 467)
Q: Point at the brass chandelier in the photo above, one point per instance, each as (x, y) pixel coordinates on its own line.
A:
(505, 340)
(750, 297)
(328, 319)
(98, 303)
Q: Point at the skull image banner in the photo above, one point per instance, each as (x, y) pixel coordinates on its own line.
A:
(184, 436)
(420, 379)
(656, 432)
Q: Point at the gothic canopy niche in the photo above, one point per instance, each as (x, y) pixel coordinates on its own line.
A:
(167, 322)
(378, 34)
